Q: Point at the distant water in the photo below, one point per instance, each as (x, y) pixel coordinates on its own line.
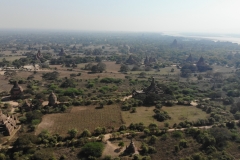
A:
(224, 39)
(213, 37)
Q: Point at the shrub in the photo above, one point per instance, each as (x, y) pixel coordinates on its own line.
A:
(46, 154)
(164, 137)
(183, 143)
(177, 134)
(176, 148)
(94, 149)
(110, 80)
(151, 150)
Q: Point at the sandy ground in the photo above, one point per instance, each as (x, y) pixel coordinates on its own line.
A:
(194, 103)
(2, 72)
(111, 149)
(12, 103)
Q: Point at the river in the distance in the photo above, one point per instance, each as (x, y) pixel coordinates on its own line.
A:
(213, 37)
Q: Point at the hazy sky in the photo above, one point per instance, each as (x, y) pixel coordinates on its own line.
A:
(222, 16)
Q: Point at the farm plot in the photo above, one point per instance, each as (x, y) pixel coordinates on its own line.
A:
(177, 113)
(81, 118)
(181, 113)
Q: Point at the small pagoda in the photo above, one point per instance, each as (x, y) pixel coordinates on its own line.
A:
(131, 60)
(62, 52)
(153, 88)
(39, 55)
(149, 60)
(16, 91)
(201, 62)
(52, 99)
(146, 61)
(131, 149)
(189, 59)
(174, 43)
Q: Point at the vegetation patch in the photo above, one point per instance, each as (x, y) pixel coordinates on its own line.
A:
(177, 113)
(82, 118)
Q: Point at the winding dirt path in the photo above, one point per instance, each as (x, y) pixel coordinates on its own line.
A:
(126, 98)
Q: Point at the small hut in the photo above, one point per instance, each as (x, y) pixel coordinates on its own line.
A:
(16, 91)
(52, 99)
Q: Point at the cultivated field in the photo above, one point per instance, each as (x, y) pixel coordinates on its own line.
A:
(180, 113)
(143, 114)
(86, 117)
(177, 113)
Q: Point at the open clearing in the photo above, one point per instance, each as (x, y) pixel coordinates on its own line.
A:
(163, 71)
(177, 113)
(111, 71)
(86, 117)
(12, 58)
(143, 114)
(182, 113)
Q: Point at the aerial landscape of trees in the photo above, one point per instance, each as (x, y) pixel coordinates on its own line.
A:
(165, 96)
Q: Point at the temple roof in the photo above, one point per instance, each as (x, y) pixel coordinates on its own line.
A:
(131, 148)
(153, 88)
(16, 87)
(174, 43)
(3, 117)
(201, 61)
(189, 59)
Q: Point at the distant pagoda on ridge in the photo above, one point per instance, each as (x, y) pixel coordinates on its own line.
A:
(39, 55)
(62, 52)
(189, 59)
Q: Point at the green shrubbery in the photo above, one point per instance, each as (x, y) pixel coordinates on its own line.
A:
(94, 149)
(69, 92)
(111, 80)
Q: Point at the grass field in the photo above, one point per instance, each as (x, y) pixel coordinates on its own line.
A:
(163, 71)
(181, 113)
(12, 58)
(111, 71)
(217, 68)
(86, 117)
(143, 114)
(177, 113)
